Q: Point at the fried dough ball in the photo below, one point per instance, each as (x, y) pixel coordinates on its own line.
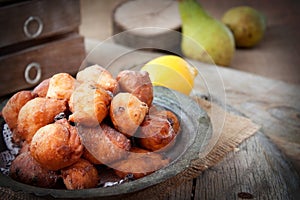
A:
(25, 146)
(11, 110)
(61, 86)
(139, 163)
(37, 113)
(89, 104)
(80, 175)
(105, 143)
(171, 117)
(100, 76)
(89, 157)
(137, 83)
(156, 131)
(41, 89)
(56, 145)
(127, 112)
(27, 170)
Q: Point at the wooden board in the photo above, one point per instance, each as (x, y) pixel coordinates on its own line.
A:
(147, 24)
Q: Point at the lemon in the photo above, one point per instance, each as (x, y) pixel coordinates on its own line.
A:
(172, 72)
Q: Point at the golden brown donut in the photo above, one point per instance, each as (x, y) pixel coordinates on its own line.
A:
(56, 145)
(104, 143)
(89, 157)
(171, 117)
(12, 108)
(89, 104)
(61, 86)
(41, 89)
(137, 83)
(127, 112)
(139, 163)
(37, 113)
(80, 175)
(100, 76)
(156, 132)
(27, 170)
(24, 147)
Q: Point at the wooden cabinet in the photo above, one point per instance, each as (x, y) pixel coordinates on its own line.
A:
(28, 67)
(38, 39)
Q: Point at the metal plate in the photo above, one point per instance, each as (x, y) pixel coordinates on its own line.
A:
(196, 131)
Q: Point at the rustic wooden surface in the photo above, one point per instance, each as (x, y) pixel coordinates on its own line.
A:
(257, 171)
(272, 104)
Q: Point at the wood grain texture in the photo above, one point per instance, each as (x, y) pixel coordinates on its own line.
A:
(272, 104)
(147, 24)
(64, 55)
(257, 169)
(57, 17)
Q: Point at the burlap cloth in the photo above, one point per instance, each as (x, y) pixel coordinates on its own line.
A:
(233, 132)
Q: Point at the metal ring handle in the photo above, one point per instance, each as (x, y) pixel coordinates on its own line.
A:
(26, 26)
(38, 69)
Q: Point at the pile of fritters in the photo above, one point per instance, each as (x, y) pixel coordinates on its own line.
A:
(67, 127)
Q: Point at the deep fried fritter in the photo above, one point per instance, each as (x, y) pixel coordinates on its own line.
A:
(24, 147)
(41, 89)
(127, 112)
(27, 170)
(105, 143)
(140, 163)
(170, 116)
(89, 104)
(80, 175)
(137, 83)
(61, 86)
(12, 108)
(56, 145)
(37, 113)
(100, 76)
(89, 157)
(156, 131)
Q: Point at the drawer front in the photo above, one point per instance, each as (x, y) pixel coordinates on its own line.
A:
(31, 20)
(25, 69)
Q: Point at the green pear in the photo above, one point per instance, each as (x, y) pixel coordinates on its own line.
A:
(204, 38)
(247, 25)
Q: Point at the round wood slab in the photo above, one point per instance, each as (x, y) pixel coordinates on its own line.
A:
(147, 24)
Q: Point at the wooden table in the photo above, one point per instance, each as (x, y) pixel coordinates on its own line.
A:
(265, 167)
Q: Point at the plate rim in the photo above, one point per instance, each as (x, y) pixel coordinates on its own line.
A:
(183, 163)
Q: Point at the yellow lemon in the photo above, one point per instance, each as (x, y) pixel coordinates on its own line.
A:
(172, 72)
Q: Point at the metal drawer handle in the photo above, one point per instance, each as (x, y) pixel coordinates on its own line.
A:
(39, 30)
(38, 75)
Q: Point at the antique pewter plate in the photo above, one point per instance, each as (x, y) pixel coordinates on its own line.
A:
(196, 132)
